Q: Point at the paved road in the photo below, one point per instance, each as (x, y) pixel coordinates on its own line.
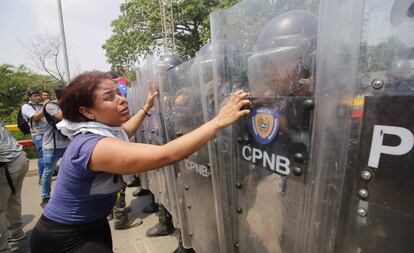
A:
(125, 241)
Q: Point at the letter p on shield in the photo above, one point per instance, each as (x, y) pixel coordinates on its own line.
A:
(377, 147)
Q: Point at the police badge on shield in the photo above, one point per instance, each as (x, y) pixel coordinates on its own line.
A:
(264, 124)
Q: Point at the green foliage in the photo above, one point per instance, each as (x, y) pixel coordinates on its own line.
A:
(31, 152)
(241, 25)
(381, 55)
(21, 136)
(130, 75)
(137, 31)
(14, 83)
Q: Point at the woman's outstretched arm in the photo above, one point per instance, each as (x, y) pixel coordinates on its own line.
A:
(116, 156)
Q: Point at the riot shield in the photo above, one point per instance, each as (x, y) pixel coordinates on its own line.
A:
(167, 98)
(158, 137)
(202, 72)
(151, 126)
(133, 103)
(160, 80)
(267, 153)
(195, 171)
(136, 98)
(364, 177)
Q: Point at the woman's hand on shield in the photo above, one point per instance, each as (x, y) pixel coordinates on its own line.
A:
(232, 110)
(150, 96)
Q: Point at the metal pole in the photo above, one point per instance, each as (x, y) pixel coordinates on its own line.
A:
(62, 32)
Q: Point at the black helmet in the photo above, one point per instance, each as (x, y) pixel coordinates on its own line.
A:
(284, 55)
(289, 29)
(169, 61)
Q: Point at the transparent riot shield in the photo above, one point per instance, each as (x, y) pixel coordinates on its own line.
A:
(267, 153)
(167, 99)
(169, 180)
(136, 99)
(158, 135)
(364, 177)
(151, 125)
(202, 72)
(195, 171)
(162, 182)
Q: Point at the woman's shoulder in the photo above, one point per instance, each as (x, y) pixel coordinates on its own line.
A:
(87, 139)
(80, 149)
(87, 136)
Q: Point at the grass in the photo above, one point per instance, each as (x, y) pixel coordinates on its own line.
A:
(31, 152)
(21, 136)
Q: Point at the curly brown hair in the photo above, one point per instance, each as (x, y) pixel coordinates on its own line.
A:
(80, 92)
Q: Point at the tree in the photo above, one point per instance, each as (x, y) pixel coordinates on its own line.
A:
(137, 32)
(46, 52)
(14, 82)
(381, 56)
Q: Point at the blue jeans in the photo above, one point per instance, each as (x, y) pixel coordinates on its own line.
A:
(50, 158)
(38, 142)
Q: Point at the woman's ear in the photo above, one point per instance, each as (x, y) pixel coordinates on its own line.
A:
(86, 112)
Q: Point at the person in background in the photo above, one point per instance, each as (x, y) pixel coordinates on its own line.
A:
(54, 144)
(121, 82)
(13, 168)
(33, 113)
(98, 122)
(45, 96)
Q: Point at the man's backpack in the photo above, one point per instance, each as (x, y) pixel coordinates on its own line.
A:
(52, 121)
(22, 124)
(49, 118)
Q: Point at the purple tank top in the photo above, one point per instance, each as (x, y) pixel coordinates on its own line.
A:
(81, 195)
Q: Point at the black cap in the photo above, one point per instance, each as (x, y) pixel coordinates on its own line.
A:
(32, 92)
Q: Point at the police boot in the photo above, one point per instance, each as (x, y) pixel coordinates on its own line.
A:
(151, 208)
(141, 192)
(180, 248)
(164, 225)
(122, 221)
(120, 198)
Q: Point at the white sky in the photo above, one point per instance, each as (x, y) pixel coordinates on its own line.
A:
(87, 26)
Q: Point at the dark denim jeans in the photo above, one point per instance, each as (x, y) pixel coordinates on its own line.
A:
(50, 158)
